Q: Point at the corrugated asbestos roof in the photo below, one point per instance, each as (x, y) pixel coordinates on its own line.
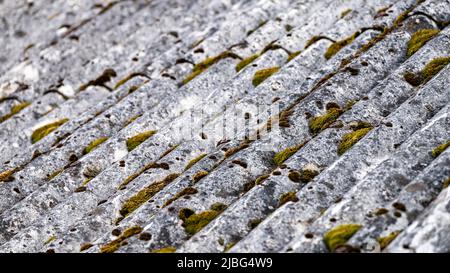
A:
(92, 94)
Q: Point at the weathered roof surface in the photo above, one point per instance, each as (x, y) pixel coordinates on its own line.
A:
(93, 93)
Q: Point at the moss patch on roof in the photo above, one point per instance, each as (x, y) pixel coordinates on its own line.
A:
(350, 139)
(280, 157)
(263, 74)
(14, 110)
(113, 246)
(385, 241)
(419, 39)
(318, 124)
(93, 145)
(202, 66)
(195, 222)
(194, 161)
(440, 149)
(242, 64)
(138, 139)
(339, 235)
(145, 194)
(45, 130)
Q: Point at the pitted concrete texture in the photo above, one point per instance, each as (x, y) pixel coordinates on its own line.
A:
(118, 126)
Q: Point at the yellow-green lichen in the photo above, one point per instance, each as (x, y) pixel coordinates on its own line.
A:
(137, 140)
(280, 157)
(419, 39)
(14, 110)
(304, 176)
(195, 222)
(93, 145)
(199, 175)
(261, 179)
(45, 130)
(385, 241)
(263, 74)
(7, 176)
(184, 192)
(293, 55)
(194, 161)
(145, 194)
(414, 79)
(446, 183)
(440, 149)
(434, 67)
(131, 120)
(288, 197)
(54, 174)
(49, 240)
(246, 62)
(85, 246)
(317, 124)
(127, 78)
(345, 13)
(337, 46)
(113, 246)
(202, 66)
(350, 139)
(339, 235)
(168, 249)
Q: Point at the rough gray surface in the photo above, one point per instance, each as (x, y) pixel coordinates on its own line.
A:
(116, 69)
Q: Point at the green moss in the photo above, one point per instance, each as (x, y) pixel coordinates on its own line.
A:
(145, 194)
(93, 145)
(261, 179)
(414, 79)
(131, 120)
(440, 149)
(14, 110)
(385, 241)
(127, 78)
(45, 130)
(337, 46)
(168, 249)
(246, 62)
(419, 39)
(194, 161)
(293, 55)
(280, 157)
(288, 27)
(202, 66)
(263, 74)
(137, 140)
(199, 175)
(54, 174)
(318, 124)
(307, 175)
(7, 176)
(85, 247)
(345, 13)
(434, 67)
(229, 246)
(195, 222)
(312, 41)
(184, 192)
(113, 246)
(350, 139)
(339, 235)
(288, 197)
(49, 240)
(446, 183)
(233, 150)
